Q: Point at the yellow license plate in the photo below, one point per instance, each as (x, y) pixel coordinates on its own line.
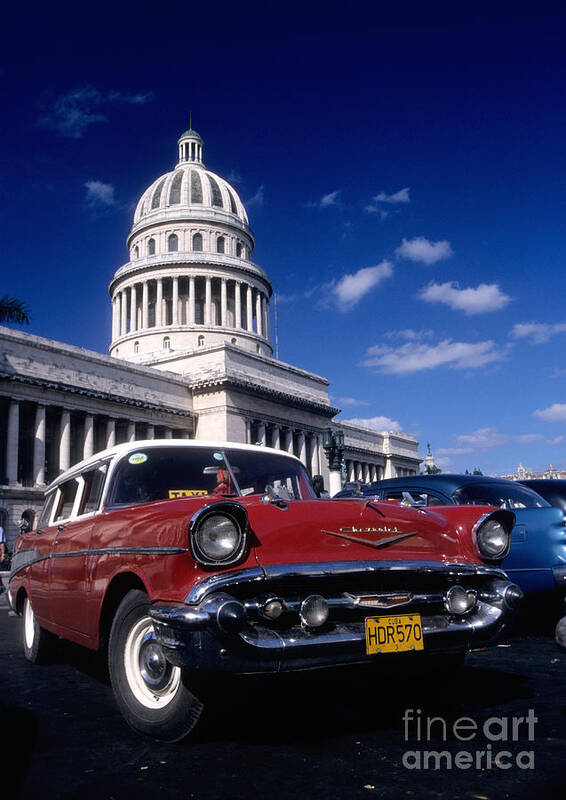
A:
(394, 634)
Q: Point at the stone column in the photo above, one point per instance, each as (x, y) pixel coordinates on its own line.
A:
(261, 437)
(389, 471)
(65, 441)
(191, 314)
(223, 303)
(334, 482)
(208, 301)
(124, 315)
(111, 428)
(168, 433)
(145, 305)
(248, 432)
(258, 321)
(266, 317)
(12, 444)
(131, 431)
(175, 301)
(249, 309)
(302, 448)
(159, 304)
(133, 309)
(88, 447)
(315, 465)
(114, 317)
(150, 432)
(39, 447)
(276, 438)
(289, 441)
(238, 304)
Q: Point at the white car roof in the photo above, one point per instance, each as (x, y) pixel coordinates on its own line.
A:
(131, 447)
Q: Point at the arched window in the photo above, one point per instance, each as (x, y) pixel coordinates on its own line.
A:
(232, 203)
(239, 250)
(220, 244)
(173, 243)
(166, 343)
(197, 242)
(215, 191)
(201, 340)
(175, 193)
(196, 187)
(151, 247)
(136, 347)
(136, 252)
(234, 340)
(157, 195)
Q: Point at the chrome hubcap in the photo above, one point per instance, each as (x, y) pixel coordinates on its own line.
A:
(153, 681)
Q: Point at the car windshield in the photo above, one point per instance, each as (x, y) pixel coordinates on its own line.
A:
(498, 494)
(169, 473)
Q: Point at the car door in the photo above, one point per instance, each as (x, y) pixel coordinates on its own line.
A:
(38, 547)
(75, 519)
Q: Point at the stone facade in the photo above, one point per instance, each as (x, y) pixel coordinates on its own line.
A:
(190, 357)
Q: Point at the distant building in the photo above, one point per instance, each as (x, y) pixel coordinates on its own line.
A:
(190, 356)
(525, 473)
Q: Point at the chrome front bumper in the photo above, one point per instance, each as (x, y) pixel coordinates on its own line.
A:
(219, 627)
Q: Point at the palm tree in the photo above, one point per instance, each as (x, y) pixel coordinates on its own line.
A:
(13, 310)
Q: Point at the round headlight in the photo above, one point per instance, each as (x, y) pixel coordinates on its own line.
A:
(218, 538)
(459, 600)
(493, 539)
(314, 611)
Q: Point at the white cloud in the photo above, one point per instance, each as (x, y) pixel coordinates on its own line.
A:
(415, 357)
(423, 250)
(99, 194)
(258, 200)
(482, 437)
(452, 451)
(525, 438)
(537, 332)
(484, 298)
(397, 198)
(351, 401)
(376, 423)
(352, 287)
(402, 196)
(554, 413)
(72, 113)
(327, 200)
(409, 334)
(556, 440)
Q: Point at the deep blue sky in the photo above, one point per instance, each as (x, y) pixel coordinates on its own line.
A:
(453, 118)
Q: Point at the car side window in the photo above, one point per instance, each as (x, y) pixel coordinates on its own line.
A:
(433, 500)
(66, 499)
(45, 515)
(92, 492)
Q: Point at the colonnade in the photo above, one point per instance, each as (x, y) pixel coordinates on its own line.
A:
(363, 471)
(73, 435)
(190, 300)
(295, 440)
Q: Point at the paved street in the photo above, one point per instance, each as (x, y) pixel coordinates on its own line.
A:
(331, 735)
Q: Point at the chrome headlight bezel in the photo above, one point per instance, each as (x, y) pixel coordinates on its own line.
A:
(232, 512)
(494, 523)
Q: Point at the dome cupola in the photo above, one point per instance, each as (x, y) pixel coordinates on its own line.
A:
(190, 281)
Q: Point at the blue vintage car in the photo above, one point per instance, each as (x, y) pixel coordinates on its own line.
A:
(537, 558)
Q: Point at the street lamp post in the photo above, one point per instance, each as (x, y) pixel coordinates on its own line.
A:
(333, 443)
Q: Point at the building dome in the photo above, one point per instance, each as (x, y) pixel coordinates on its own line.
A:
(190, 187)
(190, 274)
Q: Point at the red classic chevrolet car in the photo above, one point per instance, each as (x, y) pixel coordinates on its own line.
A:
(204, 556)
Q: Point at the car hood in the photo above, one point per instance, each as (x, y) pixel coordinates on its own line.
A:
(344, 530)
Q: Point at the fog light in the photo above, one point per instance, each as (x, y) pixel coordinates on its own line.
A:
(273, 608)
(459, 600)
(513, 595)
(314, 611)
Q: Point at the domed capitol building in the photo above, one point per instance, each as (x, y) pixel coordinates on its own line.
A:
(190, 357)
